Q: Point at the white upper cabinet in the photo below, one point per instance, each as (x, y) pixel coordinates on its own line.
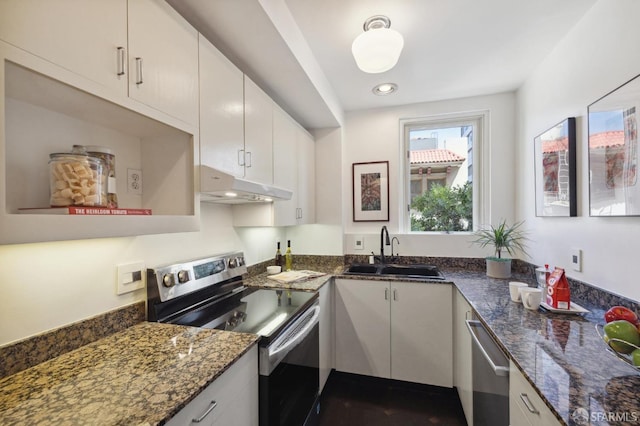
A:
(221, 111)
(293, 169)
(64, 74)
(258, 136)
(142, 49)
(86, 37)
(285, 166)
(163, 59)
(306, 192)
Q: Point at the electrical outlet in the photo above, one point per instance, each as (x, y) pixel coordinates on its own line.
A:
(576, 259)
(134, 181)
(358, 243)
(130, 277)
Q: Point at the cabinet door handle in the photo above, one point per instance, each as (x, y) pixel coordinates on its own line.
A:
(121, 60)
(527, 402)
(395, 294)
(249, 157)
(212, 405)
(241, 157)
(386, 294)
(139, 79)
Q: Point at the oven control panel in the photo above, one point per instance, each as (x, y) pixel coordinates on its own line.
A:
(182, 278)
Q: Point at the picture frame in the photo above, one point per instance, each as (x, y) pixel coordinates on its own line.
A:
(614, 189)
(555, 170)
(370, 182)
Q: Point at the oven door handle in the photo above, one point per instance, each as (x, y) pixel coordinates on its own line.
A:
(285, 342)
(298, 331)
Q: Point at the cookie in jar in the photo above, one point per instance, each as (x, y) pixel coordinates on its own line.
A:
(77, 179)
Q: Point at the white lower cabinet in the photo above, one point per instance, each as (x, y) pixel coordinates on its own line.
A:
(397, 330)
(234, 396)
(326, 332)
(526, 408)
(462, 371)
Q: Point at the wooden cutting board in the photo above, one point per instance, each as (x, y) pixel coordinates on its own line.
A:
(293, 276)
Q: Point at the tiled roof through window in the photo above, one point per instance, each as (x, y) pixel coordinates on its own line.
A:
(428, 156)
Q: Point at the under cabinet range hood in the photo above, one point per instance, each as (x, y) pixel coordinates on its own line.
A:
(217, 186)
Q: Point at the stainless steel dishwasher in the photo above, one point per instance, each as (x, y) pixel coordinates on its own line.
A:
(490, 378)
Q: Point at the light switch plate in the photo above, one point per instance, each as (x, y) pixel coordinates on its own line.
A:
(358, 243)
(130, 277)
(576, 259)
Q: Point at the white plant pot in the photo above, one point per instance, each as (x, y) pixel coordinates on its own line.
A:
(499, 268)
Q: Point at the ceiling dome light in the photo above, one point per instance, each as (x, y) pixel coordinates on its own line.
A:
(385, 89)
(378, 48)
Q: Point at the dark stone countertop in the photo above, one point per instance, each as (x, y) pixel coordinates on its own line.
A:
(561, 355)
(140, 376)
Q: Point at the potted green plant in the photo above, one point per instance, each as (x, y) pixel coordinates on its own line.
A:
(510, 239)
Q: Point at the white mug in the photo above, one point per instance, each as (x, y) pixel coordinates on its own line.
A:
(531, 297)
(514, 290)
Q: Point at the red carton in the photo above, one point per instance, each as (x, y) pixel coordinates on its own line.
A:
(558, 293)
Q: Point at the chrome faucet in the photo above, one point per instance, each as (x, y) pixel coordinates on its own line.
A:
(383, 241)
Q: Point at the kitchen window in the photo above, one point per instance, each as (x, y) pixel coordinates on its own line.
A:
(441, 168)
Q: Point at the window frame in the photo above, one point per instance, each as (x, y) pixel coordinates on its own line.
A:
(480, 161)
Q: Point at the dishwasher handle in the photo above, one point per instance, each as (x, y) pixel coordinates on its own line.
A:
(476, 326)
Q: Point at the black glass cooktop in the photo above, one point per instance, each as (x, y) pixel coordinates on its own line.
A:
(250, 310)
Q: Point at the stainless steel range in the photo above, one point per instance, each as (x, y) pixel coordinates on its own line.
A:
(210, 293)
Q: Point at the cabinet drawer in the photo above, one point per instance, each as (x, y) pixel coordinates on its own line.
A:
(525, 405)
(234, 393)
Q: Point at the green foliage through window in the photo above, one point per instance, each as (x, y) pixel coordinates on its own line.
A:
(443, 209)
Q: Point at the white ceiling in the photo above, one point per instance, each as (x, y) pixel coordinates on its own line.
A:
(299, 51)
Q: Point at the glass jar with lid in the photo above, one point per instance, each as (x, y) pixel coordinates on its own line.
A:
(109, 160)
(77, 179)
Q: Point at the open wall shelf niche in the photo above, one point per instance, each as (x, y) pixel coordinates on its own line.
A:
(42, 114)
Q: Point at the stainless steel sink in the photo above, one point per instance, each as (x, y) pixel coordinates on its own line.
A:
(413, 271)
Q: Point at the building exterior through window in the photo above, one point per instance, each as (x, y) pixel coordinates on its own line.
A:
(440, 157)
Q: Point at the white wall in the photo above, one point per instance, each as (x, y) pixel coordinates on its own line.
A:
(374, 135)
(599, 54)
(54, 284)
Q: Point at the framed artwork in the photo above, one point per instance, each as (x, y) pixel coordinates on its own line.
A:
(613, 152)
(371, 191)
(555, 170)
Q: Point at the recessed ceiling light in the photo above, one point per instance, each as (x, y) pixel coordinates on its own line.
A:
(385, 89)
(230, 194)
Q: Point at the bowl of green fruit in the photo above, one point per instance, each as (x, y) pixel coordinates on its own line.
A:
(621, 333)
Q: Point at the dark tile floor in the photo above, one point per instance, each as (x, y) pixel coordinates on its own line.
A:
(354, 400)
